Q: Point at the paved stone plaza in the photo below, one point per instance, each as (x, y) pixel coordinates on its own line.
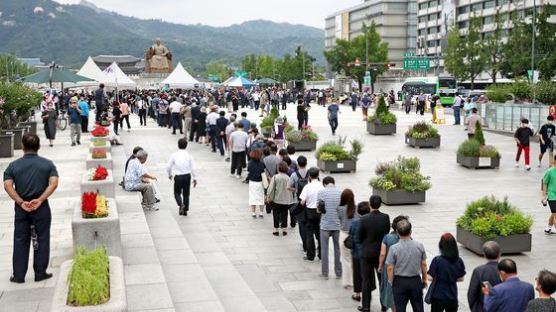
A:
(220, 259)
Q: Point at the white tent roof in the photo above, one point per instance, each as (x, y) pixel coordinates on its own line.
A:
(91, 70)
(180, 78)
(115, 77)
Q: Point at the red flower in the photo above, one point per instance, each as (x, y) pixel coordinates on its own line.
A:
(88, 203)
(99, 131)
(100, 174)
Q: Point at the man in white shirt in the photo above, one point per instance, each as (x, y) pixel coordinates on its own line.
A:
(238, 145)
(175, 110)
(212, 117)
(308, 199)
(181, 168)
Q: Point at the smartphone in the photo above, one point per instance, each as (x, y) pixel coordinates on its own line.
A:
(487, 284)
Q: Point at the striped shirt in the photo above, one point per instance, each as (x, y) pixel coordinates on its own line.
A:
(330, 221)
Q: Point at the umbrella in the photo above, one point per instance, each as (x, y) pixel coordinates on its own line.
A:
(266, 81)
(54, 74)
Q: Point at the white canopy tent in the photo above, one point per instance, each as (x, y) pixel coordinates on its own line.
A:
(91, 70)
(115, 77)
(180, 78)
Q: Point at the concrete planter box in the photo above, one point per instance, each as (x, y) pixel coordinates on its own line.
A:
(91, 233)
(31, 124)
(6, 145)
(304, 145)
(478, 162)
(340, 166)
(116, 303)
(508, 244)
(423, 143)
(107, 147)
(399, 197)
(105, 162)
(18, 133)
(266, 132)
(380, 129)
(94, 138)
(103, 187)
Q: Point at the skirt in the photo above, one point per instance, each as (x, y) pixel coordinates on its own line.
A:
(256, 193)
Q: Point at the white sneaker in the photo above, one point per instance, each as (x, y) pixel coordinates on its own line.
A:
(527, 167)
(238, 177)
(548, 230)
(517, 165)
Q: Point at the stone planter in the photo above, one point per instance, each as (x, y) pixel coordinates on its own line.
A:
(304, 145)
(478, 162)
(107, 147)
(94, 138)
(423, 143)
(103, 187)
(6, 145)
(18, 133)
(93, 163)
(380, 129)
(508, 244)
(116, 303)
(340, 166)
(399, 197)
(91, 233)
(31, 124)
(266, 132)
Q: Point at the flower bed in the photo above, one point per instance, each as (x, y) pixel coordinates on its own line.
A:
(490, 219)
(99, 153)
(382, 122)
(400, 182)
(93, 206)
(99, 180)
(303, 140)
(98, 174)
(422, 134)
(333, 157)
(100, 131)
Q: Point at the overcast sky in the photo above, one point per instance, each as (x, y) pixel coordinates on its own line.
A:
(227, 12)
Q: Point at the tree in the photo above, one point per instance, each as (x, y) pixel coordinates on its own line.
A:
(345, 52)
(11, 68)
(218, 69)
(493, 47)
(517, 50)
(465, 57)
(545, 44)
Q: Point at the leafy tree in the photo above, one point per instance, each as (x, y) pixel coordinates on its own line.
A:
(219, 69)
(11, 68)
(454, 55)
(517, 50)
(345, 52)
(545, 43)
(493, 46)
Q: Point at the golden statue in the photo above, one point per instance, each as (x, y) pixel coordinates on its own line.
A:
(158, 59)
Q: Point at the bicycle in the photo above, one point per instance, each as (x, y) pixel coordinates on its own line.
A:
(62, 120)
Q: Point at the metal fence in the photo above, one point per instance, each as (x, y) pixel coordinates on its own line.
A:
(506, 117)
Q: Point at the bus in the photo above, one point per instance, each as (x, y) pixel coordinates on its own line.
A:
(443, 86)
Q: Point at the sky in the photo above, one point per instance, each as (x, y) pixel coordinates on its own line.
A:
(226, 12)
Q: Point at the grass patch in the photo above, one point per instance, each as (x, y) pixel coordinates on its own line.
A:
(89, 279)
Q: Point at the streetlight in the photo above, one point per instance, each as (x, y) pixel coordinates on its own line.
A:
(533, 23)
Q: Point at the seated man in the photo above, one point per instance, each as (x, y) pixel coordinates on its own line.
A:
(137, 179)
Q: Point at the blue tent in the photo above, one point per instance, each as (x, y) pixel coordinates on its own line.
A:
(239, 82)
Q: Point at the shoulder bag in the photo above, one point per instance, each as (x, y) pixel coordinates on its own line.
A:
(428, 296)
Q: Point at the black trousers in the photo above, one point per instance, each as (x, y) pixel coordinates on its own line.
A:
(407, 109)
(280, 215)
(302, 225)
(357, 282)
(41, 219)
(163, 120)
(98, 111)
(182, 186)
(193, 131)
(126, 118)
(84, 124)
(333, 124)
(143, 117)
(408, 289)
(238, 162)
(116, 124)
(312, 232)
(257, 104)
(176, 123)
(221, 143)
(441, 306)
(367, 268)
(214, 142)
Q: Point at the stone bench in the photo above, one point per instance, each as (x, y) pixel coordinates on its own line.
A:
(105, 162)
(91, 233)
(104, 187)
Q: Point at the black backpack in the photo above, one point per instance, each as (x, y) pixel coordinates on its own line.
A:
(301, 182)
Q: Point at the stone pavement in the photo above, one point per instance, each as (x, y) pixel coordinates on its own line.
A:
(220, 259)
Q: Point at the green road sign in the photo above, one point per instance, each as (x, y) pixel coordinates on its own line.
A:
(416, 63)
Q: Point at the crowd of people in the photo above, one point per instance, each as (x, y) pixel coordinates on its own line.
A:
(370, 251)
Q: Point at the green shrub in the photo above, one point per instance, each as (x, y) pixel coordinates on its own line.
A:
(382, 115)
(295, 136)
(479, 135)
(545, 92)
(472, 148)
(521, 89)
(498, 93)
(89, 279)
(422, 130)
(356, 149)
(402, 174)
(488, 218)
(17, 99)
(335, 151)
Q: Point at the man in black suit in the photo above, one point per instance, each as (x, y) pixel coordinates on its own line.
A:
(487, 272)
(372, 229)
(195, 112)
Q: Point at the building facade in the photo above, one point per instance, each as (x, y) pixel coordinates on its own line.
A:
(130, 65)
(437, 17)
(396, 22)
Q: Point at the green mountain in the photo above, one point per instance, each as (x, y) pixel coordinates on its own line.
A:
(67, 34)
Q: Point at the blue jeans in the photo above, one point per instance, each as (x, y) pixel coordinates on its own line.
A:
(457, 117)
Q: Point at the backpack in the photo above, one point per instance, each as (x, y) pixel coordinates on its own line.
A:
(301, 182)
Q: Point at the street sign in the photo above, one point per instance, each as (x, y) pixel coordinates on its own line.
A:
(416, 63)
(367, 80)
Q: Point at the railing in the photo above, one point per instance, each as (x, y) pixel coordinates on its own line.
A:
(506, 117)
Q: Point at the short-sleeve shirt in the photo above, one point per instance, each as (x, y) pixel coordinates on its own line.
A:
(239, 141)
(31, 174)
(310, 192)
(134, 174)
(550, 180)
(446, 273)
(406, 256)
(333, 111)
(547, 132)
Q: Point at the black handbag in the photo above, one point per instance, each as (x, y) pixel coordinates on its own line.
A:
(296, 209)
(428, 296)
(348, 242)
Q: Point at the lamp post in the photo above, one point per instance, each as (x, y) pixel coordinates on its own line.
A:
(533, 23)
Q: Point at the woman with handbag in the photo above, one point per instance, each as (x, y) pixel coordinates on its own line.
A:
(363, 208)
(255, 177)
(49, 116)
(280, 198)
(347, 214)
(444, 272)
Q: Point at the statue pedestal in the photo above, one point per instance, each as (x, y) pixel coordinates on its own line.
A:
(151, 80)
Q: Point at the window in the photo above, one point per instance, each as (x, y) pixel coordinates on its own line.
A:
(490, 4)
(433, 4)
(488, 20)
(502, 2)
(421, 32)
(463, 9)
(422, 19)
(432, 17)
(463, 24)
(432, 30)
(423, 6)
(397, 6)
(476, 7)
